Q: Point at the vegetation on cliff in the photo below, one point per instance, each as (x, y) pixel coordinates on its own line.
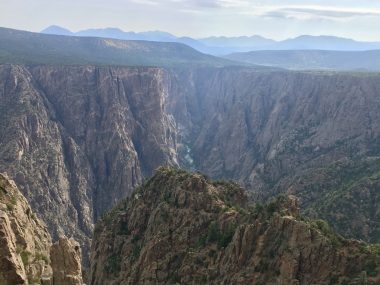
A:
(182, 228)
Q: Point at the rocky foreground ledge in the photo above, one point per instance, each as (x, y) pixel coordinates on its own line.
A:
(27, 254)
(182, 228)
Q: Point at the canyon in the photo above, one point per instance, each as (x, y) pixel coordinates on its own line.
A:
(311, 134)
(77, 139)
(94, 133)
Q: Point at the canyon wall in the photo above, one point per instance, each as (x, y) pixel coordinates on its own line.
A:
(305, 133)
(77, 139)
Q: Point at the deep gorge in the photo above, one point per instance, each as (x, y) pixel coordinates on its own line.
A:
(76, 139)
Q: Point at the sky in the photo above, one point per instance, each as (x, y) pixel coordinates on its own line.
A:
(276, 19)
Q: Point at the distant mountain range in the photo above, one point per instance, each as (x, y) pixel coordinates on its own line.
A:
(227, 45)
(312, 59)
(35, 48)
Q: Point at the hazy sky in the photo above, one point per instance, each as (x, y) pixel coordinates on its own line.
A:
(279, 19)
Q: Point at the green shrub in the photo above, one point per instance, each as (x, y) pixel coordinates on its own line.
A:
(328, 232)
(14, 200)
(124, 230)
(25, 257)
(224, 239)
(259, 209)
(323, 226)
(201, 242)
(370, 267)
(24, 254)
(34, 279)
(135, 238)
(41, 256)
(375, 248)
(271, 208)
(135, 252)
(10, 206)
(262, 266)
(174, 278)
(2, 195)
(167, 197)
(221, 238)
(334, 280)
(113, 265)
(213, 232)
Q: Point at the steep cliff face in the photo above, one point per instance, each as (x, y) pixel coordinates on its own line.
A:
(24, 240)
(182, 228)
(27, 253)
(77, 139)
(65, 257)
(247, 117)
(307, 134)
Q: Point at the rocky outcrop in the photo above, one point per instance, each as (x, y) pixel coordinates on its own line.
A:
(27, 253)
(181, 228)
(65, 257)
(77, 139)
(12, 271)
(24, 240)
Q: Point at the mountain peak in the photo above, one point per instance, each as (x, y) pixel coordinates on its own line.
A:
(57, 30)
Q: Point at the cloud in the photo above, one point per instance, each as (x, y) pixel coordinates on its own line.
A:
(204, 3)
(313, 12)
(289, 10)
(197, 4)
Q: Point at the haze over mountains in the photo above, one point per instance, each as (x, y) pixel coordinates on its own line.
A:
(312, 59)
(226, 45)
(301, 53)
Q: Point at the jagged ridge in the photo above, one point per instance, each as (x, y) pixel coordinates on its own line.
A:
(182, 228)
